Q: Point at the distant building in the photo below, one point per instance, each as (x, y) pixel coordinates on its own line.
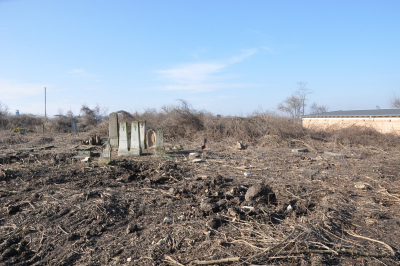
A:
(383, 120)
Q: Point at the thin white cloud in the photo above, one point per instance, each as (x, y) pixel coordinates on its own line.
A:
(202, 77)
(81, 72)
(13, 90)
(245, 54)
(268, 49)
(203, 87)
(192, 73)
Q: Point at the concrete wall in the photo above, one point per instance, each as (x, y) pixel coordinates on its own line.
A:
(383, 125)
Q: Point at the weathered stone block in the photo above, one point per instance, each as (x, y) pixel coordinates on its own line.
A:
(135, 139)
(123, 148)
(113, 130)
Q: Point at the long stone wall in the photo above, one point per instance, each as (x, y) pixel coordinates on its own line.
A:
(383, 125)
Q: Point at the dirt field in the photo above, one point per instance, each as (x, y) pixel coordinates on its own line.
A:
(312, 208)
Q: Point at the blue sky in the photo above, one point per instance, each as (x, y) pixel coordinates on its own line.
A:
(227, 57)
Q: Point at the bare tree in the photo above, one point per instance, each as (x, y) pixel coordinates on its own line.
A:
(318, 109)
(394, 102)
(295, 104)
(3, 113)
(292, 105)
(302, 93)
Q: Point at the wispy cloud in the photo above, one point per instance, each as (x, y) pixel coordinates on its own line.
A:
(268, 49)
(202, 77)
(245, 54)
(13, 90)
(81, 72)
(192, 73)
(203, 87)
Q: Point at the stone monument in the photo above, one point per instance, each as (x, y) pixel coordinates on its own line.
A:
(74, 128)
(113, 129)
(135, 139)
(142, 127)
(159, 150)
(150, 139)
(123, 148)
(105, 156)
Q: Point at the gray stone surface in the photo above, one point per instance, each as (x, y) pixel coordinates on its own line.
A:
(151, 139)
(105, 155)
(160, 149)
(135, 139)
(74, 127)
(142, 127)
(83, 154)
(113, 130)
(123, 147)
(330, 155)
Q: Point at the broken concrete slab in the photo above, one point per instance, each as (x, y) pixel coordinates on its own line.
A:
(83, 154)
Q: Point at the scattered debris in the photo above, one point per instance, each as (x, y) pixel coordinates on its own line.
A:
(260, 192)
(178, 147)
(299, 150)
(168, 220)
(240, 146)
(193, 155)
(93, 140)
(329, 155)
(86, 160)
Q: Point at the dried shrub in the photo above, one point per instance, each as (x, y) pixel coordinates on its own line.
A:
(354, 135)
(27, 121)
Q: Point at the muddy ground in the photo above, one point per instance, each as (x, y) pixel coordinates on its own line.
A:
(311, 208)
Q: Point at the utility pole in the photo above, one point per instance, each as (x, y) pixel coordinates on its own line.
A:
(45, 115)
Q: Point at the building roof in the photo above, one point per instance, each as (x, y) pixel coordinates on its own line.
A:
(358, 113)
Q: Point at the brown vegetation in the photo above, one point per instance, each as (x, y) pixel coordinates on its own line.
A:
(335, 205)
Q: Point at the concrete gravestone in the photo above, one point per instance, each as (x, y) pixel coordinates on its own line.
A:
(135, 139)
(113, 130)
(142, 126)
(150, 139)
(123, 148)
(105, 155)
(159, 150)
(73, 125)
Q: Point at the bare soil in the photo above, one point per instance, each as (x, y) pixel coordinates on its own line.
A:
(311, 208)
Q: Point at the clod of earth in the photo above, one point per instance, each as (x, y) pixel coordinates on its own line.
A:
(260, 192)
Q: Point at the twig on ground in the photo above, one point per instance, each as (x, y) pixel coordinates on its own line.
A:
(210, 262)
(373, 240)
(65, 232)
(172, 260)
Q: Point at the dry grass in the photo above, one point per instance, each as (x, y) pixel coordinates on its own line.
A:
(182, 122)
